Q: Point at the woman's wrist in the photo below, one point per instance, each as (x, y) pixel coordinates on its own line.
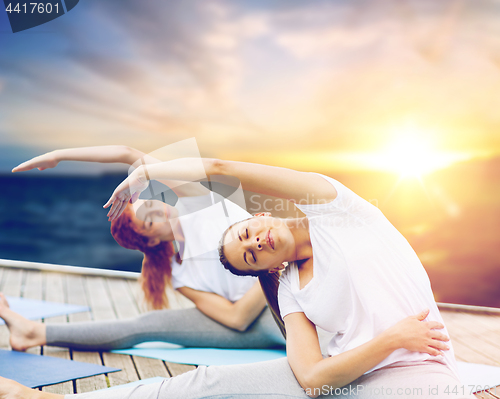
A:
(57, 155)
(141, 174)
(392, 339)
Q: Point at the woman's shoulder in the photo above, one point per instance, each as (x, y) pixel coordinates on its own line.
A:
(313, 204)
(346, 202)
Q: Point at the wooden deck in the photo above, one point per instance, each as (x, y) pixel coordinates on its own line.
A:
(476, 337)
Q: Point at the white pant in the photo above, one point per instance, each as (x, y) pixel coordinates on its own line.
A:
(274, 379)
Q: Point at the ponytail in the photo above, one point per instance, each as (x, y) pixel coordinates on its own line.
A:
(155, 276)
(270, 283)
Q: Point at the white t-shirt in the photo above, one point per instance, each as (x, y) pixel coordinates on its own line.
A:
(366, 277)
(203, 220)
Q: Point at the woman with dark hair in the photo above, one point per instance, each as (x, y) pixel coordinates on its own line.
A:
(365, 285)
(230, 311)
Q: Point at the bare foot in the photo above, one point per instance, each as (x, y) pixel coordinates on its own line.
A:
(13, 390)
(24, 333)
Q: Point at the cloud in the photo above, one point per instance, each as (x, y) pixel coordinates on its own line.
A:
(242, 74)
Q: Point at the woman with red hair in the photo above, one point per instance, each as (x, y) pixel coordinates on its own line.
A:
(230, 311)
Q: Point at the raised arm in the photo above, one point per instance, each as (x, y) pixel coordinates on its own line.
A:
(101, 154)
(237, 315)
(279, 182)
(107, 154)
(313, 372)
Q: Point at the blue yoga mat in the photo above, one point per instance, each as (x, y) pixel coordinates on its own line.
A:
(34, 310)
(37, 371)
(201, 356)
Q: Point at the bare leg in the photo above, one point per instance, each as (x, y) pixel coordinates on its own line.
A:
(24, 333)
(12, 390)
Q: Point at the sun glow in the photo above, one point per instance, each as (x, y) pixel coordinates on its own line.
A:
(412, 156)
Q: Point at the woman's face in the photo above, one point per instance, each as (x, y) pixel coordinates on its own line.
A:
(259, 243)
(151, 219)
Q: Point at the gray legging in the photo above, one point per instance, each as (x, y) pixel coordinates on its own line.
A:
(187, 327)
(274, 379)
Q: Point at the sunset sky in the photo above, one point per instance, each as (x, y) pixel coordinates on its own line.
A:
(332, 86)
(311, 85)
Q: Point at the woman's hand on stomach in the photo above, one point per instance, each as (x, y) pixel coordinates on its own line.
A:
(417, 335)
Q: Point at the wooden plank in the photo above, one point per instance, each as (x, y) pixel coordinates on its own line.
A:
(103, 309)
(76, 289)
(148, 368)
(467, 335)
(99, 301)
(90, 383)
(464, 353)
(137, 294)
(55, 292)
(487, 324)
(33, 285)
(489, 321)
(128, 372)
(1, 277)
(123, 301)
(124, 306)
(176, 369)
(483, 338)
(12, 282)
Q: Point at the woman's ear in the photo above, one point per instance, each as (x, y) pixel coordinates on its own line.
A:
(263, 214)
(153, 242)
(277, 269)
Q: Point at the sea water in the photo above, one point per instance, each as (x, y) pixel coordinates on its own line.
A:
(60, 220)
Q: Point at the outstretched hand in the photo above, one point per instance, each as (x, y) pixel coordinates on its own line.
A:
(128, 191)
(417, 335)
(41, 162)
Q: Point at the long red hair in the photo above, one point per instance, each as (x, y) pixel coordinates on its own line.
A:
(156, 272)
